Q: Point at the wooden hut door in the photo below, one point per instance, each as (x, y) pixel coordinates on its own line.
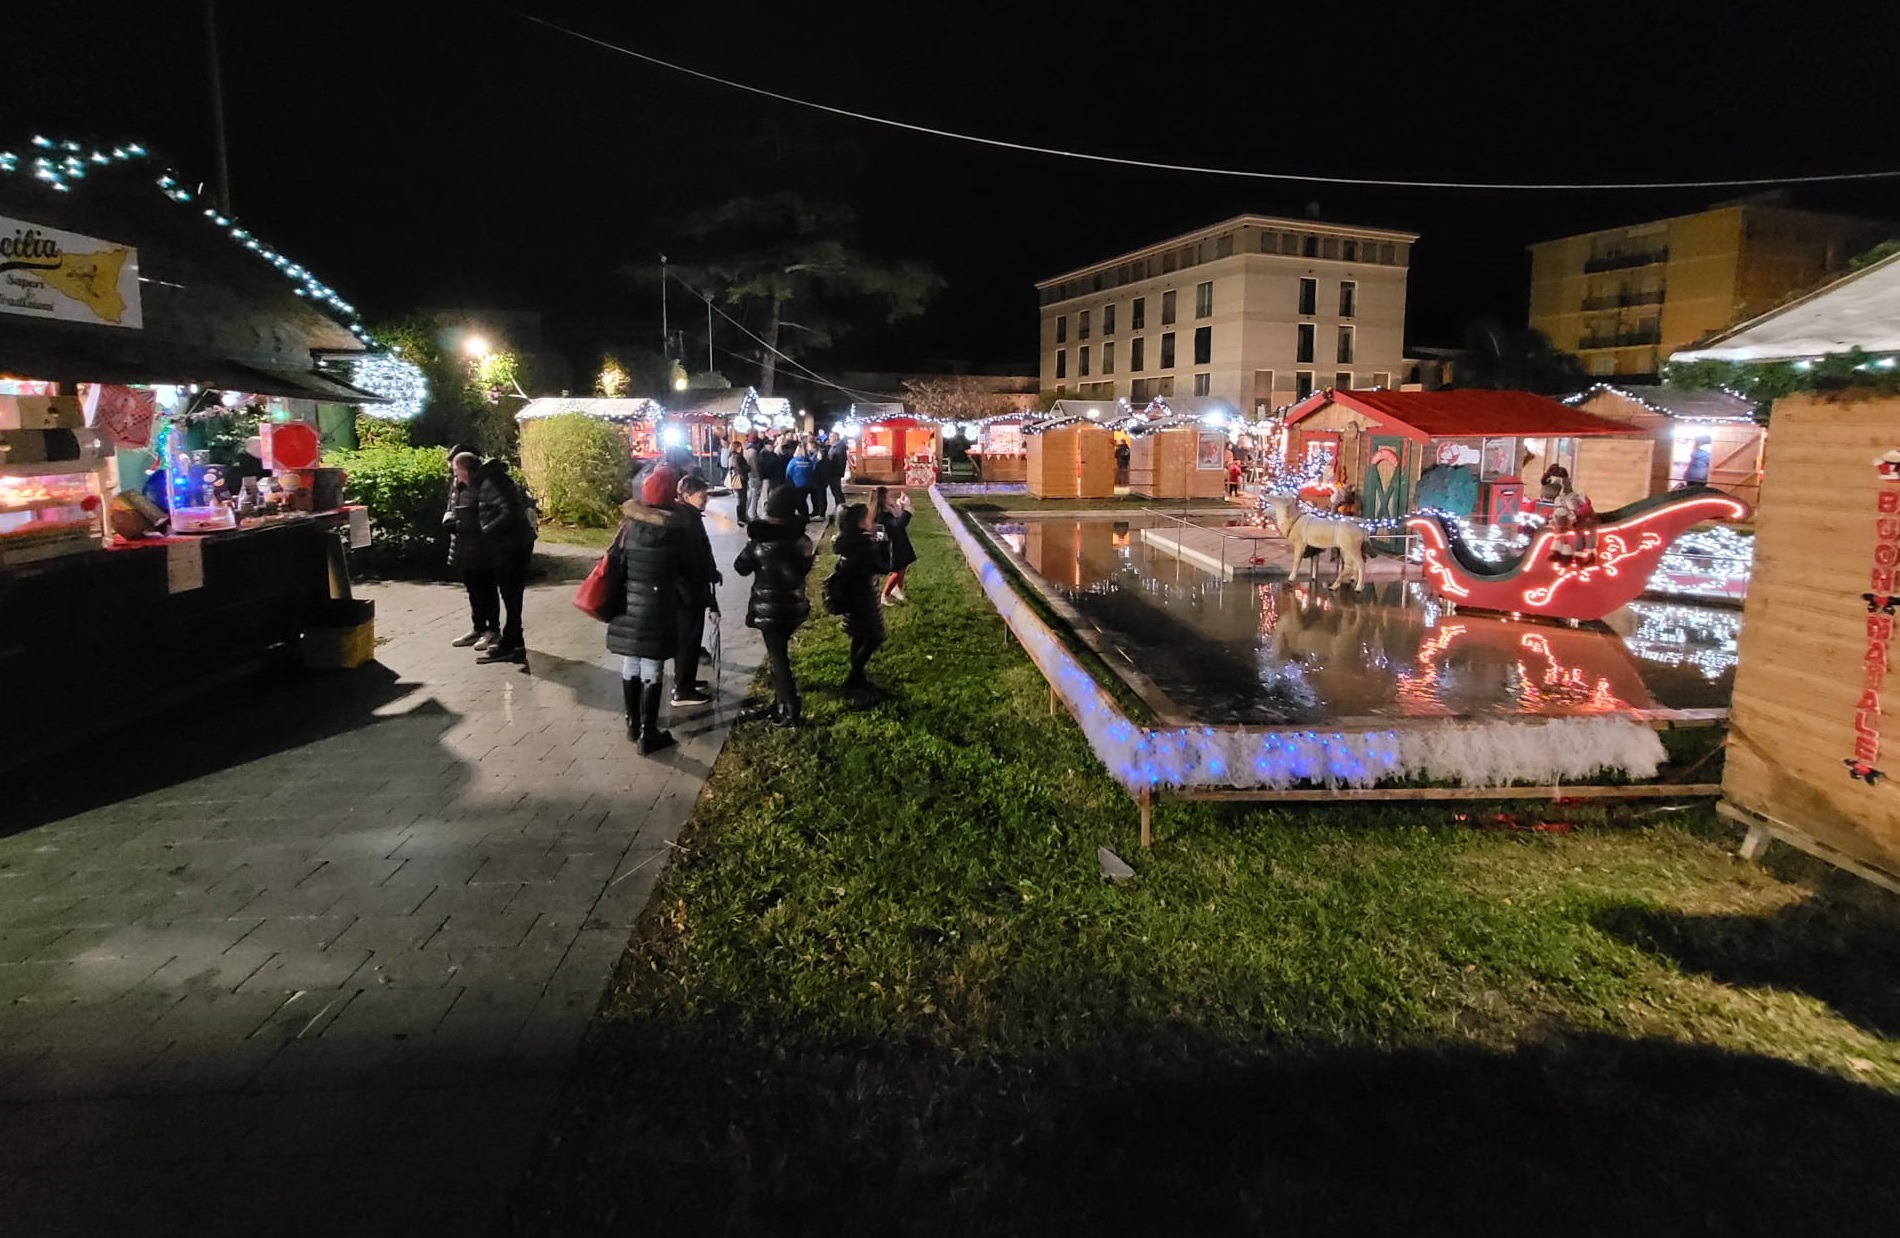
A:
(1387, 491)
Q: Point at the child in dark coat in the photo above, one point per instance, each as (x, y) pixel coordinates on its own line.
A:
(863, 556)
(778, 558)
(893, 517)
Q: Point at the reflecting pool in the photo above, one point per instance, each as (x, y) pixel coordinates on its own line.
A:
(1272, 651)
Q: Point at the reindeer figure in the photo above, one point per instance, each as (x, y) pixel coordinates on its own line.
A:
(1303, 529)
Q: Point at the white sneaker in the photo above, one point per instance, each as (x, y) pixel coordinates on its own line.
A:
(886, 600)
(898, 593)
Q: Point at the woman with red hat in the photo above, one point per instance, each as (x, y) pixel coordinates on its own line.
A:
(655, 551)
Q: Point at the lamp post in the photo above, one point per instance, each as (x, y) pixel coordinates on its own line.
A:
(666, 340)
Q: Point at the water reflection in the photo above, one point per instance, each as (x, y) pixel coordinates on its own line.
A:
(1271, 651)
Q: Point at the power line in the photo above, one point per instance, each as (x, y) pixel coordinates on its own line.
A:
(1365, 182)
(814, 375)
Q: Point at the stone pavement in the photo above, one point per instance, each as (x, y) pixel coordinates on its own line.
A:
(319, 964)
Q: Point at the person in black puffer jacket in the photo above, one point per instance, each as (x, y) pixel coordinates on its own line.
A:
(469, 553)
(698, 577)
(863, 556)
(893, 516)
(653, 550)
(509, 532)
(778, 558)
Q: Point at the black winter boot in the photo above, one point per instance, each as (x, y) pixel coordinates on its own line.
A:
(652, 738)
(630, 695)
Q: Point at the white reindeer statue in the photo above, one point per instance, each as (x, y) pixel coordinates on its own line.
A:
(1303, 529)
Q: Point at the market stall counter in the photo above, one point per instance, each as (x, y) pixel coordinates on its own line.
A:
(91, 641)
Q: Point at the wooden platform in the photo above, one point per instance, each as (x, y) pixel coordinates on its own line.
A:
(1250, 551)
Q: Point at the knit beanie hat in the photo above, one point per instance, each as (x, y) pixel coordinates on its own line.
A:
(660, 486)
(781, 504)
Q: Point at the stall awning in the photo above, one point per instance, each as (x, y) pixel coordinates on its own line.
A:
(1859, 310)
(1464, 414)
(71, 362)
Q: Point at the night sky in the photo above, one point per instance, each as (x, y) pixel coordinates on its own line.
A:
(427, 154)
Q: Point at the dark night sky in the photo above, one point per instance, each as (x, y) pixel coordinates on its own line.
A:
(416, 153)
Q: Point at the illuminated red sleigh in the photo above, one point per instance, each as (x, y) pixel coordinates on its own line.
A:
(1611, 566)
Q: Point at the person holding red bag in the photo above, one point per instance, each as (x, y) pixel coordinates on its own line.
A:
(654, 541)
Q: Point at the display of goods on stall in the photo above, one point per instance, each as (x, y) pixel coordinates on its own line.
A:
(890, 447)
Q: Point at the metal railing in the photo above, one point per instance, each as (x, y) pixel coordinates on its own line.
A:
(1623, 300)
(1622, 339)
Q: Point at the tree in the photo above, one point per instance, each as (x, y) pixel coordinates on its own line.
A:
(788, 264)
(1498, 357)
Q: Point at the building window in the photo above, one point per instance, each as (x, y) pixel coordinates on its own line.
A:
(1302, 384)
(1082, 327)
(1348, 298)
(1137, 353)
(1304, 349)
(1167, 308)
(1204, 299)
(1167, 262)
(1138, 314)
(1289, 243)
(1203, 345)
(1062, 363)
(1349, 250)
(1262, 390)
(1164, 386)
(1224, 245)
(1082, 361)
(1342, 381)
(1138, 391)
(1167, 350)
(1309, 246)
(1344, 355)
(1108, 319)
(1269, 242)
(1329, 248)
(1381, 378)
(1108, 357)
(1309, 296)
(1388, 254)
(1062, 329)
(1203, 384)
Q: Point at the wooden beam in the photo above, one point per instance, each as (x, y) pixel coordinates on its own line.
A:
(1762, 829)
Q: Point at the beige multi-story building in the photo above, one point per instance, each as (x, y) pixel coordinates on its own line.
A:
(1256, 310)
(1625, 298)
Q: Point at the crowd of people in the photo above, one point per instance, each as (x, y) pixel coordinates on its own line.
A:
(781, 485)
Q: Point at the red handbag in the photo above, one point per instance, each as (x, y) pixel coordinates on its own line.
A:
(603, 595)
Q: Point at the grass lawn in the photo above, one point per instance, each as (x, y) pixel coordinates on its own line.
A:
(567, 535)
(883, 989)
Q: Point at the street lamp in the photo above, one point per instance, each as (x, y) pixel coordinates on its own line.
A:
(475, 346)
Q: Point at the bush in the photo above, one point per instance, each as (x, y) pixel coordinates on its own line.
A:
(576, 467)
(375, 432)
(406, 490)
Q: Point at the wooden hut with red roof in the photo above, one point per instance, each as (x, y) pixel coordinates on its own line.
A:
(1473, 452)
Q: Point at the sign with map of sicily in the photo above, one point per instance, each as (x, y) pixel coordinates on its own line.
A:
(46, 273)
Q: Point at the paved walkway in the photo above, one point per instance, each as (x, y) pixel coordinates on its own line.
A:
(318, 964)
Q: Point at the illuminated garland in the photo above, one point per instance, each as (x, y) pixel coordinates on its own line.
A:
(1672, 635)
(402, 383)
(1706, 563)
(59, 164)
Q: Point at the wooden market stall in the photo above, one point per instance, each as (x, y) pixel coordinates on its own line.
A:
(892, 447)
(1181, 450)
(141, 322)
(1809, 757)
(1720, 423)
(1071, 454)
(1001, 449)
(1471, 453)
(700, 420)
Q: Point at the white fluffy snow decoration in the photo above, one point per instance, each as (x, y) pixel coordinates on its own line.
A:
(1484, 754)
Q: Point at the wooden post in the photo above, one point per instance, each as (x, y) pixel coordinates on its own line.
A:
(1146, 800)
(1052, 700)
(1756, 842)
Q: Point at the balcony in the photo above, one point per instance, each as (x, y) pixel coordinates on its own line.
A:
(1624, 261)
(1623, 339)
(1624, 300)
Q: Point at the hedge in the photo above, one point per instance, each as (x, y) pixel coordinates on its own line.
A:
(576, 468)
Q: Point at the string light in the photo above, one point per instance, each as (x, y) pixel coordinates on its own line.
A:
(401, 383)
(69, 162)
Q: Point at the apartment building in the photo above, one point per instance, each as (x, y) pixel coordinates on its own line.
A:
(1256, 310)
(1625, 298)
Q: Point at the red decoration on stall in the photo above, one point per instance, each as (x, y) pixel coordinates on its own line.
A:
(1582, 585)
(1879, 630)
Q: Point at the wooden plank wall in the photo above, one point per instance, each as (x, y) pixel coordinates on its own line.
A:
(1800, 681)
(1614, 471)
